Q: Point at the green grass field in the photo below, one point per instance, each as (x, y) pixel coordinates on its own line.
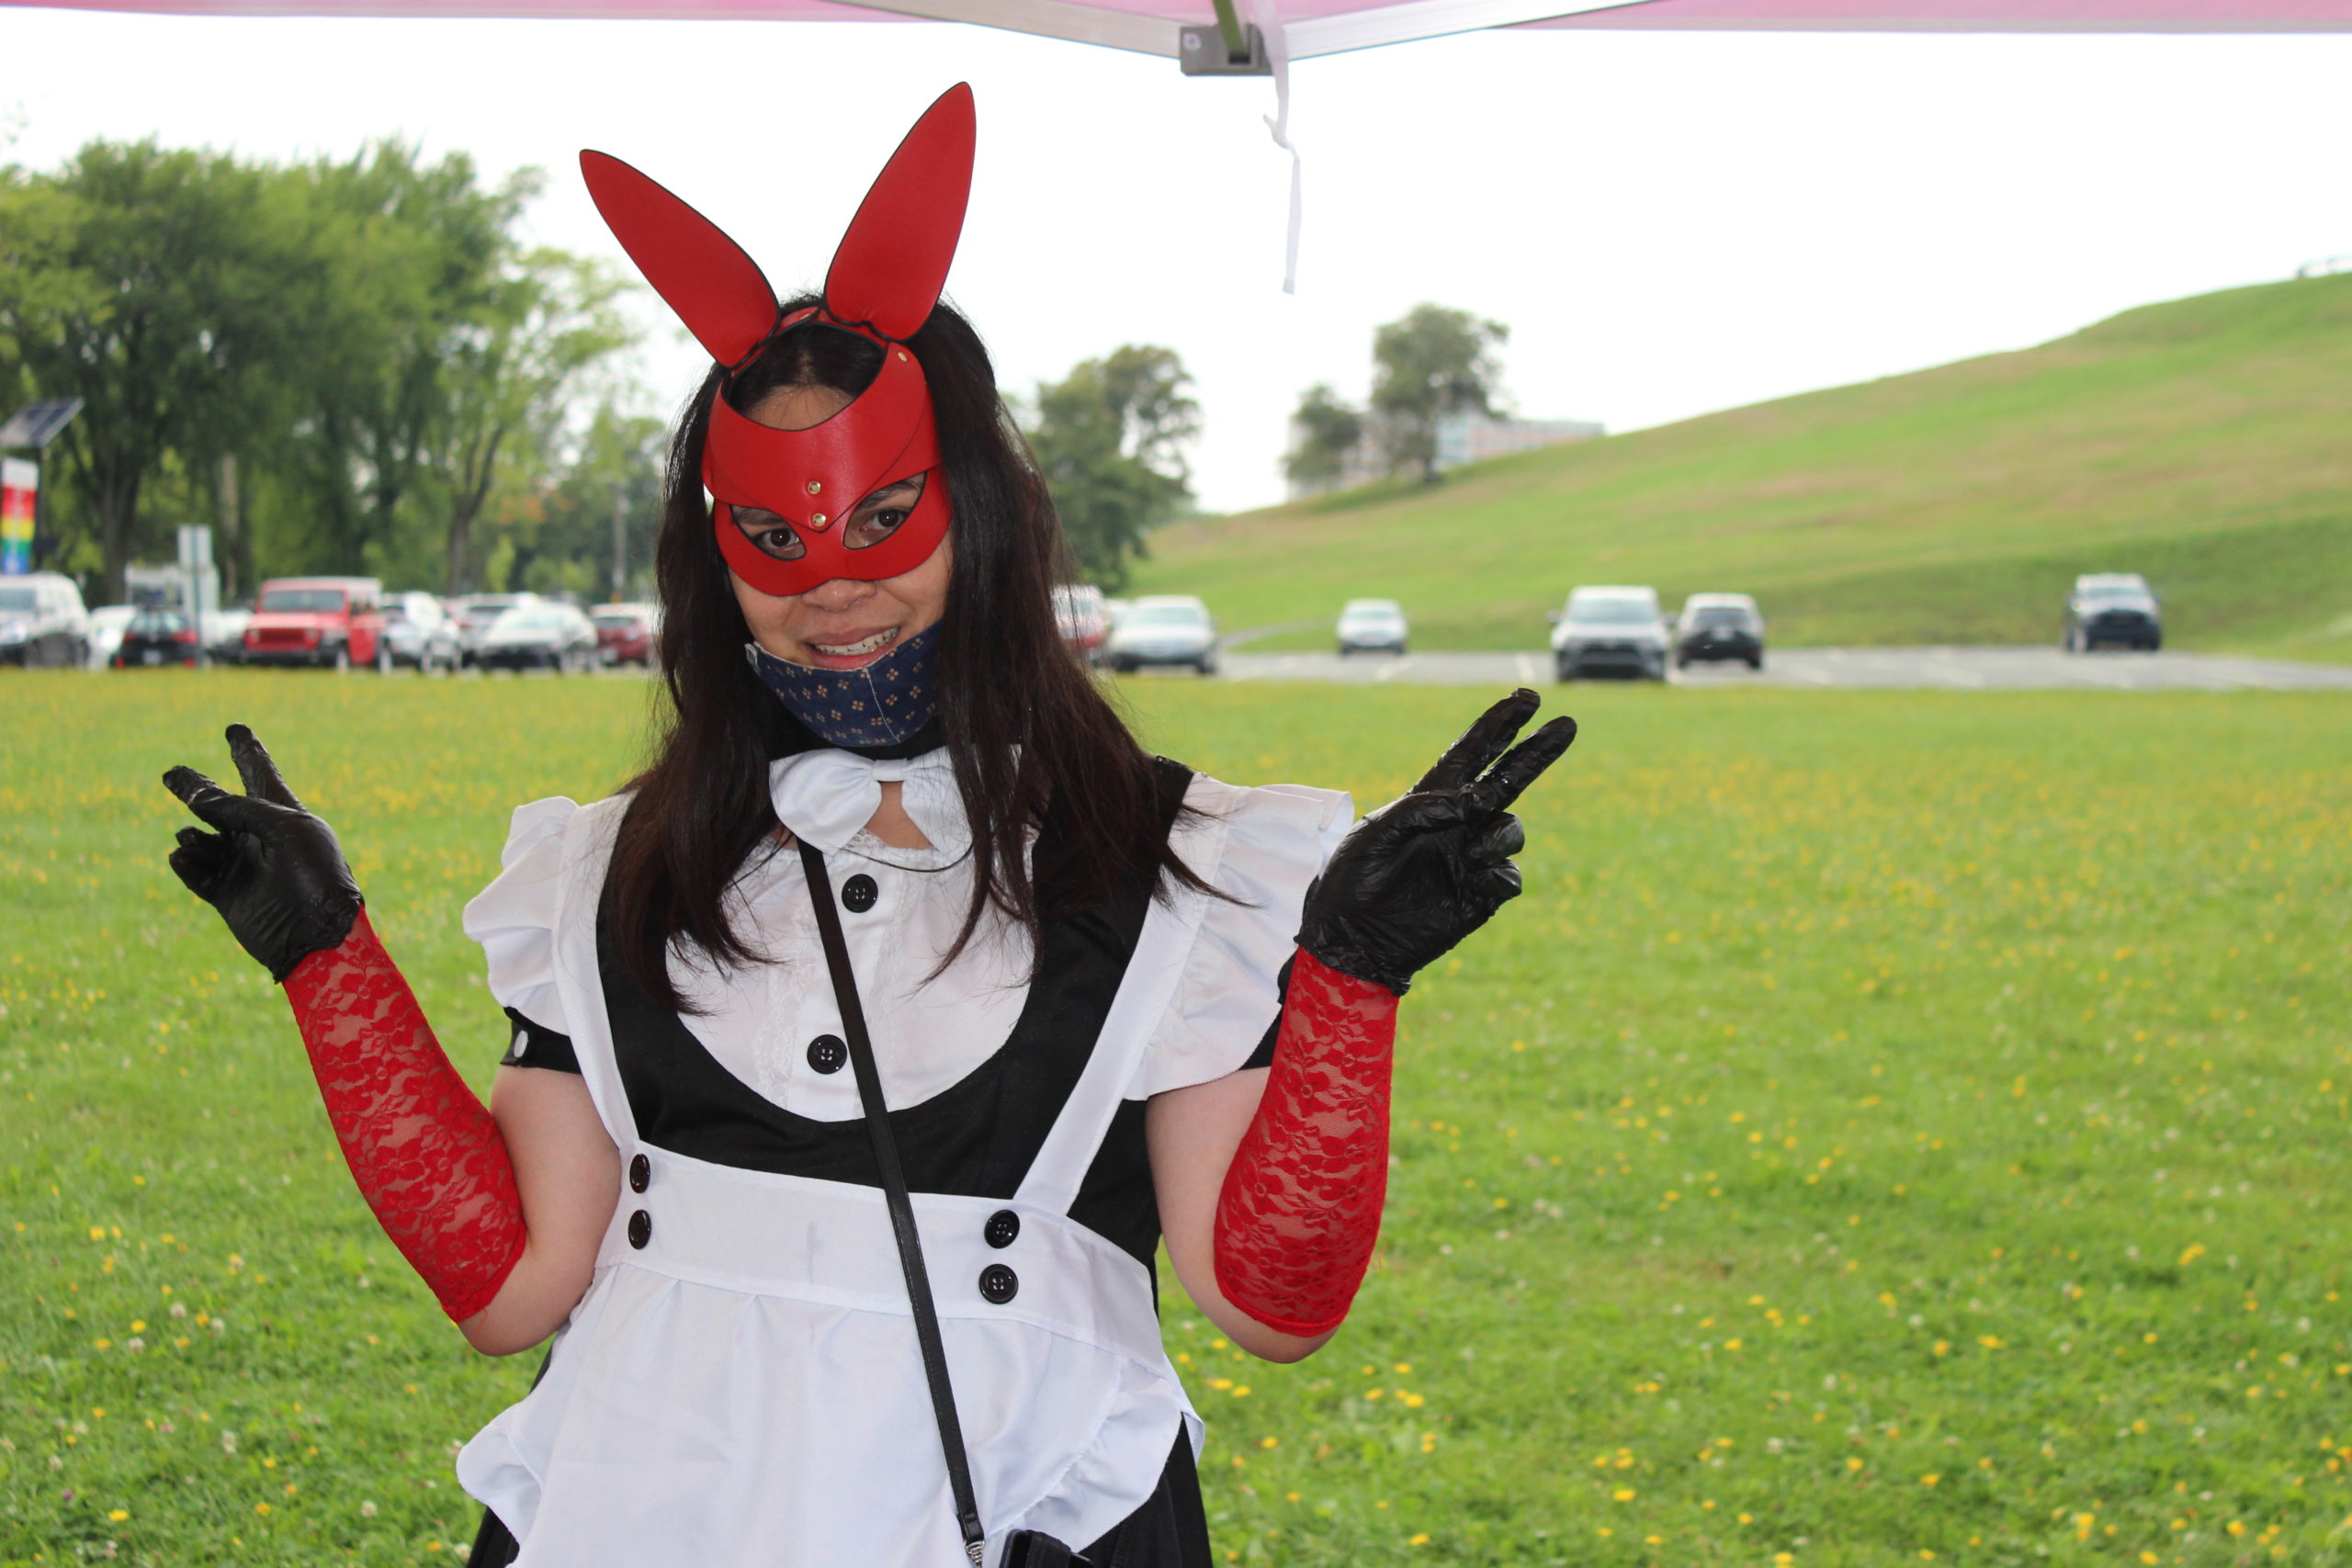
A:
(1891, 1128)
(2200, 442)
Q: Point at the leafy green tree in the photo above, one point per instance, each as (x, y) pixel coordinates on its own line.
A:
(343, 363)
(1110, 439)
(411, 283)
(548, 323)
(142, 281)
(1327, 433)
(1432, 362)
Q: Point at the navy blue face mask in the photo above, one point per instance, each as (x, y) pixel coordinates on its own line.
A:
(882, 705)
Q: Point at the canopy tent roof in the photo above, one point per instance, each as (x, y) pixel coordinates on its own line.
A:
(1311, 28)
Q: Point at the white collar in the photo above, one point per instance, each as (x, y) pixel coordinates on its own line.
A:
(827, 796)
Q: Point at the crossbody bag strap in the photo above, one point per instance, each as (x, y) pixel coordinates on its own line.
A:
(902, 1209)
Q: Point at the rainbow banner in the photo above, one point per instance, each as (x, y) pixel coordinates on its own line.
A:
(20, 488)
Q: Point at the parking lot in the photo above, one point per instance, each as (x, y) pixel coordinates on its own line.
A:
(1931, 668)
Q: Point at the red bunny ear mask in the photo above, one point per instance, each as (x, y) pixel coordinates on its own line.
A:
(883, 284)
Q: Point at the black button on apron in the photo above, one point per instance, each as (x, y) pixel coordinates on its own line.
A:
(826, 1052)
(640, 1174)
(1003, 1229)
(859, 893)
(641, 1229)
(999, 1283)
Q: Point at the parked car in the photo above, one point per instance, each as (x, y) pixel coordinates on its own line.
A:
(1372, 625)
(419, 632)
(43, 621)
(541, 634)
(627, 634)
(475, 613)
(327, 622)
(2116, 608)
(1715, 627)
(156, 636)
(224, 634)
(1163, 628)
(107, 624)
(1610, 631)
(1085, 618)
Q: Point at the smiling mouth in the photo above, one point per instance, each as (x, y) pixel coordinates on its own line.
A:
(858, 650)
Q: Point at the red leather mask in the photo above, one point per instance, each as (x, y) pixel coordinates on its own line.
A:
(884, 280)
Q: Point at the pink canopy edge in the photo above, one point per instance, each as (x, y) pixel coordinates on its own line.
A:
(1979, 15)
(1843, 15)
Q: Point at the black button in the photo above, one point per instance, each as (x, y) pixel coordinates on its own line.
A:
(859, 893)
(1004, 1228)
(826, 1052)
(641, 1173)
(641, 1229)
(999, 1283)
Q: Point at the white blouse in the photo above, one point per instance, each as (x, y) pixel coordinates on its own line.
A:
(1263, 848)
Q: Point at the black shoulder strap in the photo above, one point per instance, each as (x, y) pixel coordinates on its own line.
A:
(902, 1211)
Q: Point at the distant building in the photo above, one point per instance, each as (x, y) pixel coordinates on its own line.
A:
(1460, 438)
(1469, 438)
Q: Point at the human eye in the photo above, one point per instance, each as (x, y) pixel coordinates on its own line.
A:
(879, 514)
(769, 533)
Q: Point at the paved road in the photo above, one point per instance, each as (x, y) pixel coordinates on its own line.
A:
(1945, 668)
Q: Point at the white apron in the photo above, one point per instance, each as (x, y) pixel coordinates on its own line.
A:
(741, 1386)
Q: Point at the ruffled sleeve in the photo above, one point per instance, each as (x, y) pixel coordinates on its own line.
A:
(1270, 844)
(514, 917)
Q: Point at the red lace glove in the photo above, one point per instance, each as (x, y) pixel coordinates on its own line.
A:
(426, 1154)
(1299, 1213)
(1300, 1209)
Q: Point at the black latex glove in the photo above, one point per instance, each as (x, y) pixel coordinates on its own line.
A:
(1433, 865)
(274, 871)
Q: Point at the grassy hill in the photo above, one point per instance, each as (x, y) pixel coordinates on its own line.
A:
(2206, 443)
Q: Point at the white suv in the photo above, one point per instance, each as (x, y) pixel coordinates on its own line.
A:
(1163, 628)
(1610, 630)
(43, 621)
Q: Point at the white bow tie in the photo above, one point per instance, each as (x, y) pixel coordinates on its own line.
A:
(827, 796)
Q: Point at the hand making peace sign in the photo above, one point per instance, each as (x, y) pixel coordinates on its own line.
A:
(1433, 865)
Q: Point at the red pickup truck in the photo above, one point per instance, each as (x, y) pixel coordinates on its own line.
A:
(330, 623)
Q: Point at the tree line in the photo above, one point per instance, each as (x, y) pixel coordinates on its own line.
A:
(343, 364)
(359, 365)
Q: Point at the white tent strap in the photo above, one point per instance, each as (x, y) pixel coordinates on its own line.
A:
(1267, 17)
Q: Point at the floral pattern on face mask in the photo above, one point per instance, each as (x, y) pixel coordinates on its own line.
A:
(881, 705)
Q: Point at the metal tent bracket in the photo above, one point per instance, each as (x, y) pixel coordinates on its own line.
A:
(1228, 49)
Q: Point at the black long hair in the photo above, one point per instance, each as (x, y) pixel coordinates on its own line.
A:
(1029, 732)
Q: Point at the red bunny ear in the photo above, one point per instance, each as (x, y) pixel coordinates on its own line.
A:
(716, 289)
(893, 262)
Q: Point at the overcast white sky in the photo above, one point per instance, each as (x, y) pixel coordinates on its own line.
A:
(1669, 224)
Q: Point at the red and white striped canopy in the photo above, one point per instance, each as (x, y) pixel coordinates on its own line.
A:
(1309, 27)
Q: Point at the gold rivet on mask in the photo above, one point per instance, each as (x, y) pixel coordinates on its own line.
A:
(816, 487)
(902, 354)
(817, 520)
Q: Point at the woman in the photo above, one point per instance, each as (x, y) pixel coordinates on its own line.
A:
(893, 827)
